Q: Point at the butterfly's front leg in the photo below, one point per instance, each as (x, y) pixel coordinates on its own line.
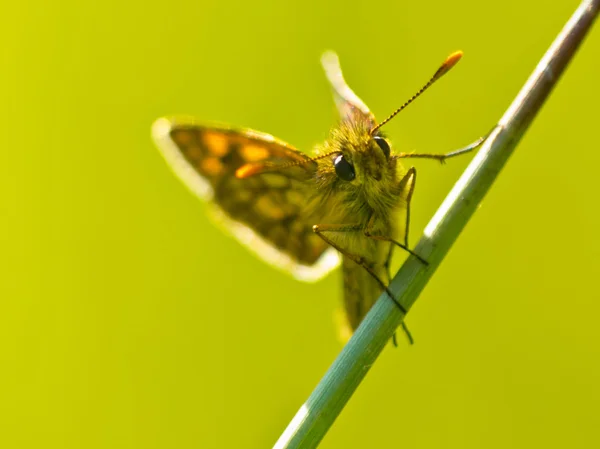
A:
(319, 229)
(407, 182)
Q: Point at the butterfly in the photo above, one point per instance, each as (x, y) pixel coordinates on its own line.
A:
(303, 213)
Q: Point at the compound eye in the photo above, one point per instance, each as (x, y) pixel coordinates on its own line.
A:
(383, 144)
(343, 169)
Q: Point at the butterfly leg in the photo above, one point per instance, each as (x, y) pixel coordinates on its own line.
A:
(321, 228)
(411, 176)
(388, 261)
(389, 276)
(442, 157)
(383, 238)
(405, 247)
(368, 231)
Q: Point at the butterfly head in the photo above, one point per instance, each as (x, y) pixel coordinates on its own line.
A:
(357, 157)
(357, 165)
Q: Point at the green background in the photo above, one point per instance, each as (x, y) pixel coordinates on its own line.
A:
(128, 320)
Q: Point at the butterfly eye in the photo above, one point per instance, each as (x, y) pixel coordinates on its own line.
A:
(382, 143)
(343, 169)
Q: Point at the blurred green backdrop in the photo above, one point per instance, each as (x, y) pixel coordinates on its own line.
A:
(128, 320)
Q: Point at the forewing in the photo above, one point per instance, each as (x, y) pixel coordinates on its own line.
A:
(266, 211)
(349, 105)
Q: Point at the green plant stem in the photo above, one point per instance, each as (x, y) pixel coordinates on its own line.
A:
(328, 399)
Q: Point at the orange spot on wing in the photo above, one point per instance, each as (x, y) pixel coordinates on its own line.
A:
(216, 143)
(253, 153)
(248, 170)
(211, 166)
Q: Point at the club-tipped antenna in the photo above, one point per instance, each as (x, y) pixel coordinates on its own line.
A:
(255, 168)
(444, 68)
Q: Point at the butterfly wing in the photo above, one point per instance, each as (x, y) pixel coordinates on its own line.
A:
(349, 105)
(266, 211)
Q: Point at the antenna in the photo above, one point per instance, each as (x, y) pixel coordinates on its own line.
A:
(255, 168)
(444, 68)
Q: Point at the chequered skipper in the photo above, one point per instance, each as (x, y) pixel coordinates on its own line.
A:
(301, 212)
